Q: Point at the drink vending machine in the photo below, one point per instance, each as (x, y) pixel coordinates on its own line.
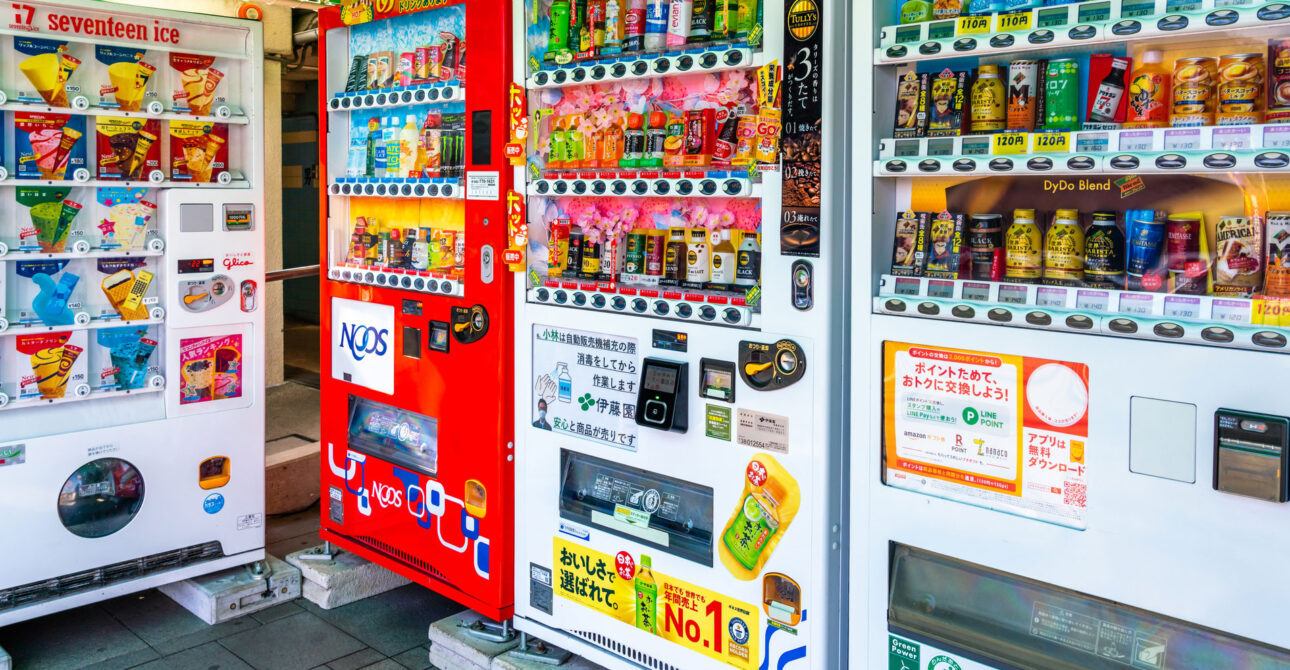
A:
(131, 276)
(1072, 295)
(679, 248)
(418, 460)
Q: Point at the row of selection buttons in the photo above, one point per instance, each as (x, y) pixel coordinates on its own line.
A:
(647, 66)
(663, 308)
(643, 187)
(406, 189)
(393, 280)
(409, 96)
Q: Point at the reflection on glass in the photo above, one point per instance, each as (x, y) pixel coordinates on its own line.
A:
(101, 497)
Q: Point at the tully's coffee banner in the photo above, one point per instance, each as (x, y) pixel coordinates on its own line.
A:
(799, 231)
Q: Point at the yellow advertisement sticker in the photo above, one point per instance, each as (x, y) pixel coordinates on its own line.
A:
(717, 626)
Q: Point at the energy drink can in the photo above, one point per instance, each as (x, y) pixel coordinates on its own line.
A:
(1187, 271)
(1193, 92)
(1240, 89)
(988, 101)
(1061, 95)
(1022, 77)
(985, 237)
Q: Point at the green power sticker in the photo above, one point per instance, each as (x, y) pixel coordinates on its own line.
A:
(718, 424)
(903, 654)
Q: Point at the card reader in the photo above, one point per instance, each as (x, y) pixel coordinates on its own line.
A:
(662, 401)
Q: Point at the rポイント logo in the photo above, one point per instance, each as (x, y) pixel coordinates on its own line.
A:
(363, 340)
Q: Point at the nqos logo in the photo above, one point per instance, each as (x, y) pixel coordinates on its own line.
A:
(387, 495)
(364, 340)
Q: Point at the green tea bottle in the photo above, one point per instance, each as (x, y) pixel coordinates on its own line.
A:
(754, 526)
(646, 597)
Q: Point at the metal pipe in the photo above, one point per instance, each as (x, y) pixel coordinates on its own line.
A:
(292, 273)
(305, 37)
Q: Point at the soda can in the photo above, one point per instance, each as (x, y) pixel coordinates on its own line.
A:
(1022, 77)
(1193, 91)
(1240, 89)
(1061, 95)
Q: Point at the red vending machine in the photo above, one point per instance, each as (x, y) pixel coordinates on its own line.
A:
(417, 465)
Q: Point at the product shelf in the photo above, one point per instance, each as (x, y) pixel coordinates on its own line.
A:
(1195, 319)
(641, 183)
(438, 187)
(401, 96)
(228, 114)
(422, 281)
(1081, 24)
(664, 302)
(708, 58)
(83, 323)
(16, 255)
(235, 179)
(1253, 148)
(155, 384)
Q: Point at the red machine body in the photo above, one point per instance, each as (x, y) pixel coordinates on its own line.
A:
(417, 468)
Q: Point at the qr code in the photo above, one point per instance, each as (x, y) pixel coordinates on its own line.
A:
(1075, 493)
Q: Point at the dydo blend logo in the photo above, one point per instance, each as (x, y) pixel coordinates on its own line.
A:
(362, 336)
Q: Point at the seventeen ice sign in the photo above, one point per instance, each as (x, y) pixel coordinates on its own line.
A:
(999, 431)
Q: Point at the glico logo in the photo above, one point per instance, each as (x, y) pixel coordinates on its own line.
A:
(363, 340)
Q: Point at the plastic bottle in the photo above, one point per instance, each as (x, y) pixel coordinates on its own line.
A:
(573, 143)
(696, 257)
(674, 256)
(679, 15)
(614, 27)
(559, 38)
(656, 12)
(379, 147)
(555, 155)
(565, 381)
(633, 141)
(408, 147)
(655, 140)
(646, 596)
(611, 149)
(748, 264)
(391, 135)
(1149, 89)
(634, 26)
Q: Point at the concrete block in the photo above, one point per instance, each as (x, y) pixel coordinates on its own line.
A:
(291, 478)
(342, 580)
(6, 661)
(511, 661)
(450, 635)
(442, 658)
(236, 592)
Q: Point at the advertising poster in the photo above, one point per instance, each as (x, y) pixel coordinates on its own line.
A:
(623, 588)
(1004, 432)
(803, 95)
(211, 368)
(585, 384)
(362, 336)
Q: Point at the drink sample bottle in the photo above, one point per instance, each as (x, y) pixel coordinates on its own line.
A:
(674, 257)
(646, 596)
(1024, 249)
(612, 146)
(558, 39)
(391, 135)
(634, 26)
(656, 15)
(748, 267)
(988, 97)
(985, 236)
(1106, 101)
(1064, 249)
(380, 148)
(375, 154)
(696, 256)
(723, 264)
(1104, 253)
(555, 156)
(573, 143)
(655, 140)
(408, 147)
(1149, 93)
(633, 141)
(614, 27)
(679, 14)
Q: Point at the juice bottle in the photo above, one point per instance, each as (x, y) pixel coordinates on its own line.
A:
(1064, 249)
(755, 525)
(1024, 249)
(1149, 89)
(592, 148)
(723, 261)
(696, 256)
(611, 149)
(555, 157)
(408, 147)
(646, 596)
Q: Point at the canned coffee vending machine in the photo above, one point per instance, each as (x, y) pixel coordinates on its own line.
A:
(680, 267)
(417, 455)
(1070, 335)
(131, 272)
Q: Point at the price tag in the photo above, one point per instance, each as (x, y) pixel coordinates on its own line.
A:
(1276, 137)
(906, 148)
(940, 289)
(941, 30)
(1094, 12)
(1137, 140)
(976, 291)
(1136, 303)
(1135, 8)
(1183, 139)
(1047, 296)
(1057, 143)
(973, 25)
(1010, 144)
(1182, 307)
(1056, 17)
(1092, 301)
(1014, 22)
(1236, 138)
(979, 146)
(1013, 294)
(909, 34)
(908, 286)
(1094, 143)
(1182, 6)
(1231, 311)
(941, 146)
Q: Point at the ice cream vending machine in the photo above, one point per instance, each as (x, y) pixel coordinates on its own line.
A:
(131, 274)
(1071, 279)
(679, 324)
(417, 456)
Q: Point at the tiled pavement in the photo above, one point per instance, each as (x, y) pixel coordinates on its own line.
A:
(149, 631)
